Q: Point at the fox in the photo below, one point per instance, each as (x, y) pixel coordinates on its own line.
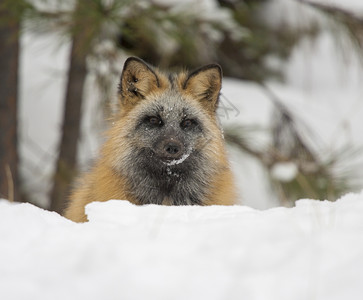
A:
(165, 145)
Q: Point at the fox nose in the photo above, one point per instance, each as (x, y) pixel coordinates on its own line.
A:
(171, 149)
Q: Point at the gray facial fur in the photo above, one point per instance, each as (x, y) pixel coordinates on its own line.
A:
(153, 176)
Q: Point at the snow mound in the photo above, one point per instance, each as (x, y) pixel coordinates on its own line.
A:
(311, 251)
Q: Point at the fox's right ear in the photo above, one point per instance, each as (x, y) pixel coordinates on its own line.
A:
(138, 79)
(204, 85)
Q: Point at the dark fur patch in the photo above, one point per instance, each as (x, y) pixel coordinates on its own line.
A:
(151, 181)
(171, 78)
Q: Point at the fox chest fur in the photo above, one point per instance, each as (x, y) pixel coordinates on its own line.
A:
(164, 147)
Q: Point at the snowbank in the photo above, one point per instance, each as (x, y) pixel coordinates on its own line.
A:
(311, 251)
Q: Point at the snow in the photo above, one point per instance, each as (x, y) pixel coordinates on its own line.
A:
(285, 171)
(311, 251)
(178, 161)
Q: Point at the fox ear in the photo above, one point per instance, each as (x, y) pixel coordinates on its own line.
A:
(204, 85)
(138, 79)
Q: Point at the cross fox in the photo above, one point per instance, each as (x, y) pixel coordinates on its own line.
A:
(165, 145)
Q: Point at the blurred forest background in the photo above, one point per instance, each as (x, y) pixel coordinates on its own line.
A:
(242, 36)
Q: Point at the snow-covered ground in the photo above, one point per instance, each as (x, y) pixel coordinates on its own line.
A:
(311, 251)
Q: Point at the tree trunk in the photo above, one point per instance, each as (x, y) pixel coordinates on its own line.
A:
(67, 158)
(9, 51)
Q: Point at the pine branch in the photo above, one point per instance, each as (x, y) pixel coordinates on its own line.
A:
(352, 22)
(335, 10)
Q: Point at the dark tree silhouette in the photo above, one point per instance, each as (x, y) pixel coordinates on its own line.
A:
(67, 158)
(9, 52)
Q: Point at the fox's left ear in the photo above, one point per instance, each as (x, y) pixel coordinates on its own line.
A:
(204, 85)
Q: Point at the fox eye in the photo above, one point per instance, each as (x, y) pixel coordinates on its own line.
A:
(188, 123)
(155, 121)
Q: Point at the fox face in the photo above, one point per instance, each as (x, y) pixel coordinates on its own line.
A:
(167, 139)
(169, 131)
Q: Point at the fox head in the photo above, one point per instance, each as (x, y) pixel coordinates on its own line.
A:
(167, 136)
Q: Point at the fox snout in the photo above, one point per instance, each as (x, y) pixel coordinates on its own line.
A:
(170, 149)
